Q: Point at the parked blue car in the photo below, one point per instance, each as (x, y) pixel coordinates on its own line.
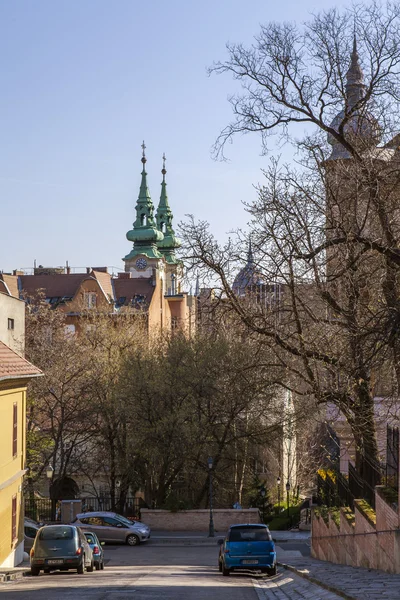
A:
(97, 549)
(248, 546)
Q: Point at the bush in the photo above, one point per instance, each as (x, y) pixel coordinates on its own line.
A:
(279, 524)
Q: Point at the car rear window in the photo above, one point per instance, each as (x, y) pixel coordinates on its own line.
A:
(90, 538)
(249, 534)
(56, 533)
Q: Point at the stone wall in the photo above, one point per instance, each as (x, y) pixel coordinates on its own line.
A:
(198, 520)
(361, 543)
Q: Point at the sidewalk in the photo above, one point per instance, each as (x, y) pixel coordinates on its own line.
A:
(184, 538)
(352, 583)
(13, 573)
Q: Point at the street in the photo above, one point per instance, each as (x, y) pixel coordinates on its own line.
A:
(168, 572)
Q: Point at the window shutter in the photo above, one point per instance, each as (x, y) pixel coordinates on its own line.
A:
(14, 519)
(15, 429)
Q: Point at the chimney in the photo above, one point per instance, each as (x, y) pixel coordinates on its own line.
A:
(88, 270)
(124, 275)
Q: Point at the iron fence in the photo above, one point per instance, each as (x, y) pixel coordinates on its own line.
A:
(335, 489)
(42, 510)
(45, 510)
(130, 507)
(392, 457)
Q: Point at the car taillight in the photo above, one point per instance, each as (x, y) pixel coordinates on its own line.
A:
(96, 550)
(79, 551)
(32, 552)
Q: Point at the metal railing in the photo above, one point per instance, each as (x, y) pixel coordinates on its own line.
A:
(45, 510)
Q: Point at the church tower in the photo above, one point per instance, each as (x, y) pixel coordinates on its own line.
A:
(168, 245)
(144, 256)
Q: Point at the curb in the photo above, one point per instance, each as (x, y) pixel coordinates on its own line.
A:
(13, 575)
(312, 579)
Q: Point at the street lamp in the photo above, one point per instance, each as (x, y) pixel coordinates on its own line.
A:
(278, 483)
(49, 475)
(211, 524)
(287, 496)
(262, 492)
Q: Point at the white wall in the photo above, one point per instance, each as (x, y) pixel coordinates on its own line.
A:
(12, 308)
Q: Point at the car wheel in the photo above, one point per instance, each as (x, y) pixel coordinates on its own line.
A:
(225, 571)
(132, 540)
(81, 569)
(271, 571)
(35, 571)
(102, 566)
(97, 566)
(90, 569)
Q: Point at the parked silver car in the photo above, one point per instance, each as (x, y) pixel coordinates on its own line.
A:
(61, 547)
(112, 527)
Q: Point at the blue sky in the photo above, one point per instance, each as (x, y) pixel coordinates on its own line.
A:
(83, 83)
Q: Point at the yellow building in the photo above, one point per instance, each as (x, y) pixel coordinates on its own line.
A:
(15, 373)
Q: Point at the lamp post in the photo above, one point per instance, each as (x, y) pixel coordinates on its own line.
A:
(262, 492)
(287, 497)
(211, 524)
(49, 475)
(278, 483)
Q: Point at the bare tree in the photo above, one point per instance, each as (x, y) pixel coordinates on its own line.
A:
(325, 232)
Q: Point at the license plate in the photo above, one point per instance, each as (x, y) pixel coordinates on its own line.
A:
(250, 562)
(55, 561)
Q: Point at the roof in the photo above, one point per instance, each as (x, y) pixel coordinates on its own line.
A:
(138, 291)
(104, 280)
(55, 286)
(9, 285)
(14, 366)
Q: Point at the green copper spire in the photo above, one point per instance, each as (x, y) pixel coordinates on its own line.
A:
(164, 217)
(144, 234)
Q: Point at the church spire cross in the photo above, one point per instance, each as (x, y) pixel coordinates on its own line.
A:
(164, 170)
(144, 159)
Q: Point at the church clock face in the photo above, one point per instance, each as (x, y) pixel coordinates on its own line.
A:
(141, 263)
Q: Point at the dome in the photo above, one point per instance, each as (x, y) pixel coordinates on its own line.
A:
(248, 278)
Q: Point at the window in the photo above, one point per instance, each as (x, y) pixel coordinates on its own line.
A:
(249, 534)
(15, 430)
(10, 323)
(69, 329)
(90, 299)
(109, 522)
(30, 532)
(56, 533)
(14, 519)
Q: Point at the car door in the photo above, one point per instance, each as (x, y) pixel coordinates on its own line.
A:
(116, 531)
(96, 525)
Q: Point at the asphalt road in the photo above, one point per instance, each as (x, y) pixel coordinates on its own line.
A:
(140, 573)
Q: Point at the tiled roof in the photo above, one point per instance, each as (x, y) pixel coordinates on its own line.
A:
(104, 280)
(54, 286)
(13, 366)
(9, 285)
(137, 291)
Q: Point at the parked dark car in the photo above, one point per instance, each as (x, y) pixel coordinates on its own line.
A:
(248, 546)
(112, 527)
(97, 549)
(30, 530)
(61, 547)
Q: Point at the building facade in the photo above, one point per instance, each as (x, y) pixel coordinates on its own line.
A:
(15, 372)
(151, 283)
